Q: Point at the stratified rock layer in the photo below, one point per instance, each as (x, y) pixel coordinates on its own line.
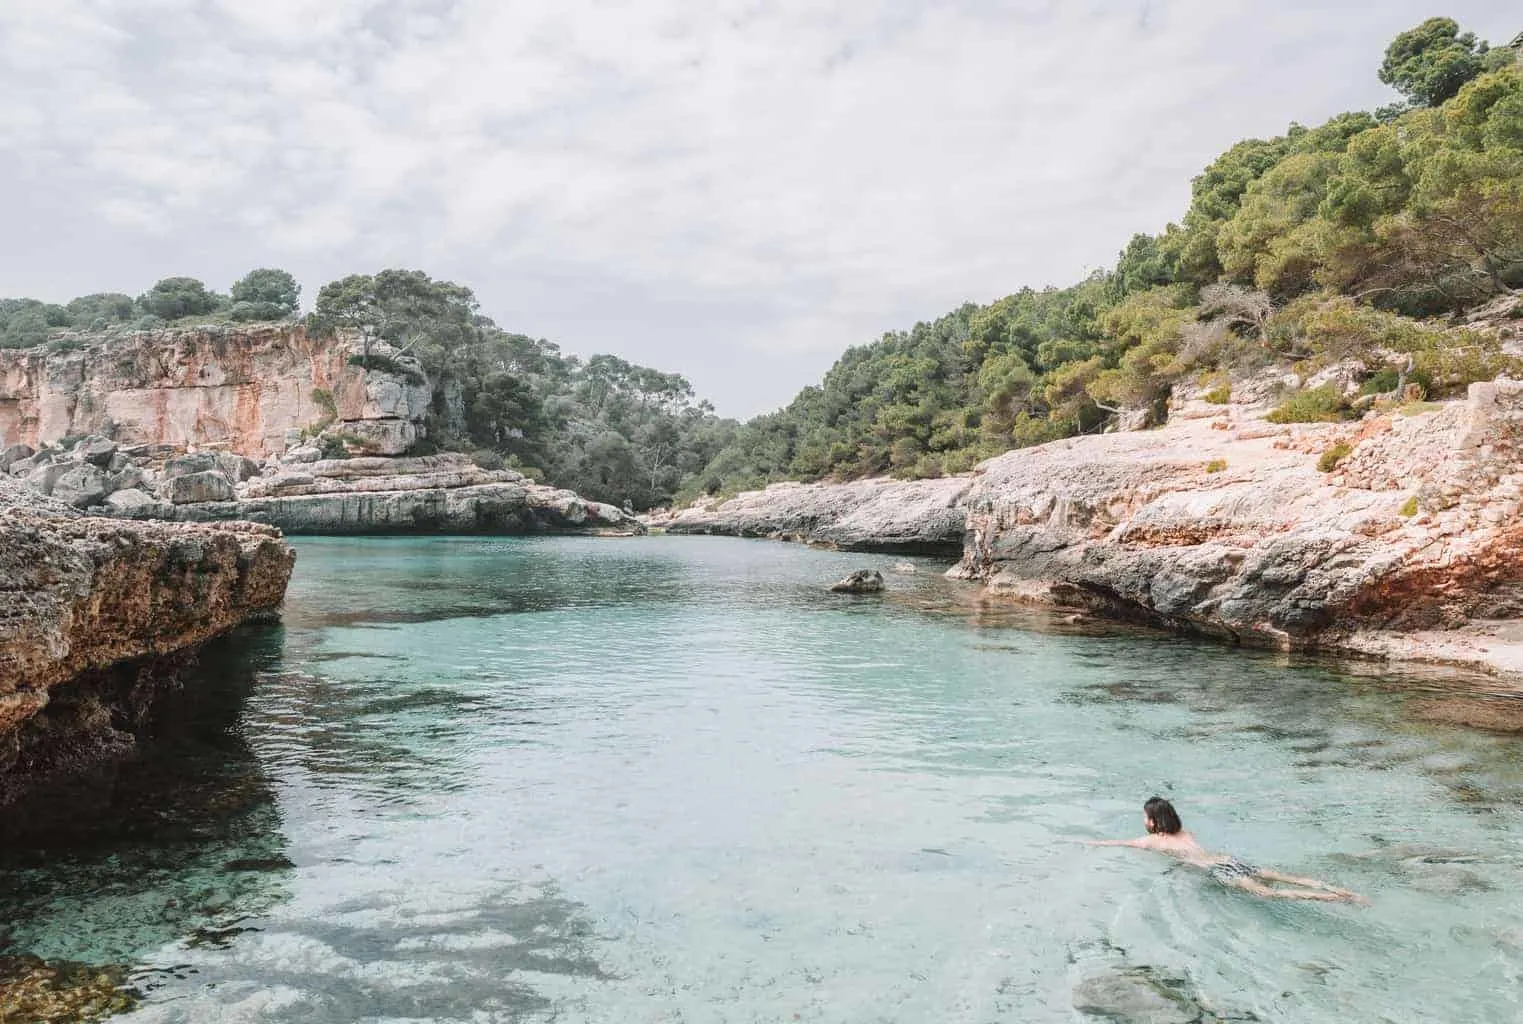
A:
(428, 494)
(243, 388)
(908, 516)
(95, 614)
(1221, 523)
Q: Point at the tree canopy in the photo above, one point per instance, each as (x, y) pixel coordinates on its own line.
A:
(1428, 64)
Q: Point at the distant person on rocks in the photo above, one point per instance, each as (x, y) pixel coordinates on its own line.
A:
(1167, 835)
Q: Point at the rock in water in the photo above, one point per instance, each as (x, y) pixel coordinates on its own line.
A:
(904, 567)
(863, 581)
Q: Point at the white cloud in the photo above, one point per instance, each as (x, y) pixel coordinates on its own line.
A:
(691, 184)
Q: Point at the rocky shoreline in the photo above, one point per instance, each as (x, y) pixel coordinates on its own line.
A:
(98, 616)
(909, 517)
(1225, 525)
(1405, 543)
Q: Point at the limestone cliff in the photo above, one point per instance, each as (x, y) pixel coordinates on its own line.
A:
(221, 424)
(242, 389)
(96, 615)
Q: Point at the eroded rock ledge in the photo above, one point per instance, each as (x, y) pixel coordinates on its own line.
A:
(902, 516)
(1223, 524)
(428, 494)
(97, 615)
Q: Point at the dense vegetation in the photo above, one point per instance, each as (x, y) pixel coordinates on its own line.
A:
(263, 294)
(1336, 244)
(1321, 245)
(606, 428)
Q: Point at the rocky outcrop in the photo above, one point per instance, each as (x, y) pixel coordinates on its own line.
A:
(908, 516)
(245, 389)
(428, 494)
(98, 615)
(1224, 524)
(257, 423)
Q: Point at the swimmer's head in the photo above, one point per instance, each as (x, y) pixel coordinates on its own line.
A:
(1160, 817)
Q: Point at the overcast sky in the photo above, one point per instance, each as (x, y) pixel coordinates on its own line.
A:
(734, 190)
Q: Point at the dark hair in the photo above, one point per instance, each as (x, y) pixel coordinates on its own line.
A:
(1162, 816)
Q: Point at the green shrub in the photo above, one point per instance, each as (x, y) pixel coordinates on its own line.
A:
(1219, 395)
(386, 364)
(960, 461)
(1408, 507)
(332, 447)
(324, 400)
(1333, 456)
(927, 467)
(1318, 405)
(1216, 465)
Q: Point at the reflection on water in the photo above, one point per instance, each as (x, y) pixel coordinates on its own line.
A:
(117, 864)
(675, 779)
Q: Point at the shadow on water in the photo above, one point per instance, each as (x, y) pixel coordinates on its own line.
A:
(183, 837)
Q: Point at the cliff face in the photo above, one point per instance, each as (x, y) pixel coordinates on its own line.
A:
(241, 389)
(96, 615)
(906, 516)
(236, 396)
(1222, 523)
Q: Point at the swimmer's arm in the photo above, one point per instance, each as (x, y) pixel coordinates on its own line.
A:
(1140, 844)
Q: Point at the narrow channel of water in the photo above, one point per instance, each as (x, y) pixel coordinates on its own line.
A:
(672, 779)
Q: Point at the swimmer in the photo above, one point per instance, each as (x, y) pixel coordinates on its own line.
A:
(1167, 835)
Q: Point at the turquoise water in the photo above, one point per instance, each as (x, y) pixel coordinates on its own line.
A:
(672, 779)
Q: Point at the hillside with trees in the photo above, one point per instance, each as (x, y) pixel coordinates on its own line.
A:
(1364, 239)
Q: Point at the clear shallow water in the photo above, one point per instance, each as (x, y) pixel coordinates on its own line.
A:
(671, 779)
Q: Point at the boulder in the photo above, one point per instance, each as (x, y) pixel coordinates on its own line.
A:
(196, 462)
(863, 581)
(81, 485)
(208, 485)
(302, 454)
(238, 468)
(14, 454)
(130, 501)
(98, 451)
(128, 478)
(381, 437)
(45, 475)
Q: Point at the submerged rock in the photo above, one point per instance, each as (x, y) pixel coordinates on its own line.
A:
(57, 992)
(863, 581)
